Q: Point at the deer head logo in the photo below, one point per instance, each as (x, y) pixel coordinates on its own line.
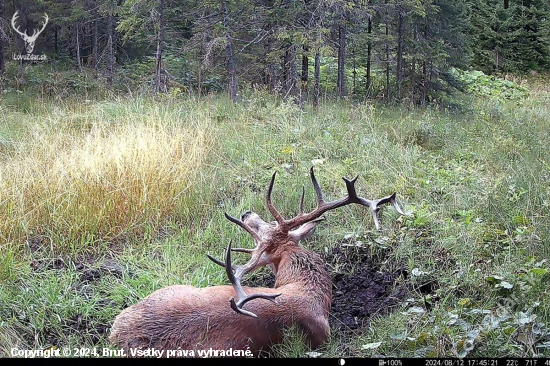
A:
(29, 40)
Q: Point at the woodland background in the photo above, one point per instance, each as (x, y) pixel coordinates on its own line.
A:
(394, 50)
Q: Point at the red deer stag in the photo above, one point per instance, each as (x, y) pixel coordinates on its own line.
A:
(199, 319)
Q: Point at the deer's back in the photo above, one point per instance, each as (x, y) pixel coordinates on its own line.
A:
(189, 318)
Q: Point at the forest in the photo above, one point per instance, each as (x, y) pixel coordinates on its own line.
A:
(135, 134)
(391, 50)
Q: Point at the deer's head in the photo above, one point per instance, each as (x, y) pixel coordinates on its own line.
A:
(29, 40)
(271, 238)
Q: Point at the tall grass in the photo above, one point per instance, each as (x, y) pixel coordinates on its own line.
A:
(72, 181)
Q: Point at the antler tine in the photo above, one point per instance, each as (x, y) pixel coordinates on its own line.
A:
(323, 206)
(393, 201)
(243, 250)
(317, 188)
(301, 211)
(375, 206)
(235, 279)
(219, 262)
(278, 217)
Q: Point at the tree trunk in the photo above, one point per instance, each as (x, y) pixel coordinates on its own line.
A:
(55, 39)
(94, 44)
(78, 60)
(160, 40)
(87, 42)
(305, 73)
(292, 75)
(231, 71)
(111, 47)
(2, 49)
(354, 66)
(341, 60)
(399, 71)
(199, 76)
(270, 78)
(413, 68)
(424, 84)
(230, 55)
(285, 72)
(369, 56)
(317, 86)
(21, 71)
(2, 58)
(388, 96)
(413, 78)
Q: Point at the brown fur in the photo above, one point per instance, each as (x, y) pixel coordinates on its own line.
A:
(189, 318)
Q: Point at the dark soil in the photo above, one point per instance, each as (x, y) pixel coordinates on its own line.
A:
(90, 274)
(88, 268)
(89, 271)
(360, 289)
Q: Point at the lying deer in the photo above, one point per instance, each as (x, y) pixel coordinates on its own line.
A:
(189, 318)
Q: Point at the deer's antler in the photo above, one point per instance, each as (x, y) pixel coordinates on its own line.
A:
(258, 255)
(323, 206)
(235, 274)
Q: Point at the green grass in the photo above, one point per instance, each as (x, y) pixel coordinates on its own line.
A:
(103, 202)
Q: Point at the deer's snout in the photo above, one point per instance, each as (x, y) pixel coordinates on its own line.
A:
(255, 223)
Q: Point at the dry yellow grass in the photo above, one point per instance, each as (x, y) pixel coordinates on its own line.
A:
(64, 185)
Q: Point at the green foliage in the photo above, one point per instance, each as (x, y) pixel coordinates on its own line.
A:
(479, 84)
(516, 39)
(417, 43)
(54, 79)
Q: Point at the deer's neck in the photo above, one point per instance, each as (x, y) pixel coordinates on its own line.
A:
(307, 269)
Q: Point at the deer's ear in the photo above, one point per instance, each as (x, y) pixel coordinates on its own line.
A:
(306, 230)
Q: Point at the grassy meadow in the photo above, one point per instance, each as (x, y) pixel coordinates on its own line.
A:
(103, 202)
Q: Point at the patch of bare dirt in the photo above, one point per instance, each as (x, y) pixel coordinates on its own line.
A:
(360, 288)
